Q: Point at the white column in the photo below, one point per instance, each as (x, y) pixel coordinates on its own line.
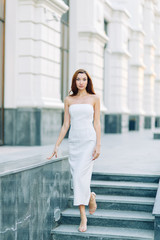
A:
(10, 71)
(136, 62)
(157, 63)
(36, 48)
(149, 58)
(136, 73)
(117, 56)
(87, 40)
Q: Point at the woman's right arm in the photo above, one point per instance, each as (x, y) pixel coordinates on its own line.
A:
(64, 129)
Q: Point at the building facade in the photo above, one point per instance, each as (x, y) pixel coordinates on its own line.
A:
(45, 42)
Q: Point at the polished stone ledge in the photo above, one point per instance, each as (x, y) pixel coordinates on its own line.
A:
(16, 166)
(156, 213)
(156, 209)
(20, 158)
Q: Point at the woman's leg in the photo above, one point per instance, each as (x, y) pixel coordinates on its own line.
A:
(83, 223)
(92, 207)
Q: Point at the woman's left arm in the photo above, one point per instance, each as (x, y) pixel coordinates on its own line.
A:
(97, 127)
(97, 124)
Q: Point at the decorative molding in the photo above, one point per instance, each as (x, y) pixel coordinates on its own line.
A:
(119, 111)
(138, 65)
(101, 36)
(108, 11)
(150, 44)
(151, 73)
(40, 103)
(137, 31)
(57, 5)
(122, 52)
(137, 112)
(120, 9)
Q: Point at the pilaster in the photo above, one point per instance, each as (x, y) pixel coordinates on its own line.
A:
(149, 59)
(87, 38)
(157, 68)
(116, 73)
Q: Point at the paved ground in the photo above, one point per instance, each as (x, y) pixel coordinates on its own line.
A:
(134, 152)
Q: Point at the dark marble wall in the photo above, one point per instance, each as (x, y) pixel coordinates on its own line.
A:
(113, 123)
(147, 122)
(156, 213)
(134, 121)
(34, 126)
(31, 126)
(157, 228)
(31, 201)
(157, 122)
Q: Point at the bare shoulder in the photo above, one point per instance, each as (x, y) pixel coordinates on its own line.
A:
(67, 100)
(96, 98)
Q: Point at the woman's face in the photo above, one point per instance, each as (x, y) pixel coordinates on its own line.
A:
(81, 81)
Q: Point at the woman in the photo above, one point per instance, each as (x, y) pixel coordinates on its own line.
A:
(84, 140)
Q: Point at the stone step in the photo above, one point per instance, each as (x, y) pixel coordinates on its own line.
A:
(129, 203)
(124, 188)
(125, 204)
(111, 218)
(70, 232)
(126, 177)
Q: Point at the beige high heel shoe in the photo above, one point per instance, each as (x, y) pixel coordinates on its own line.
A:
(92, 203)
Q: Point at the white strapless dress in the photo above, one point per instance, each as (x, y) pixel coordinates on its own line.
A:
(82, 140)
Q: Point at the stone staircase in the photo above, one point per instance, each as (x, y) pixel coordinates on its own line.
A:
(125, 204)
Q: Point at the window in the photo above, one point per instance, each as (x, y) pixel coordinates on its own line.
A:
(106, 30)
(106, 27)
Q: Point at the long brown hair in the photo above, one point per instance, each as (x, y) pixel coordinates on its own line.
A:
(74, 88)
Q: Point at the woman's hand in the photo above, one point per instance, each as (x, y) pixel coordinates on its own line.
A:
(96, 152)
(55, 151)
